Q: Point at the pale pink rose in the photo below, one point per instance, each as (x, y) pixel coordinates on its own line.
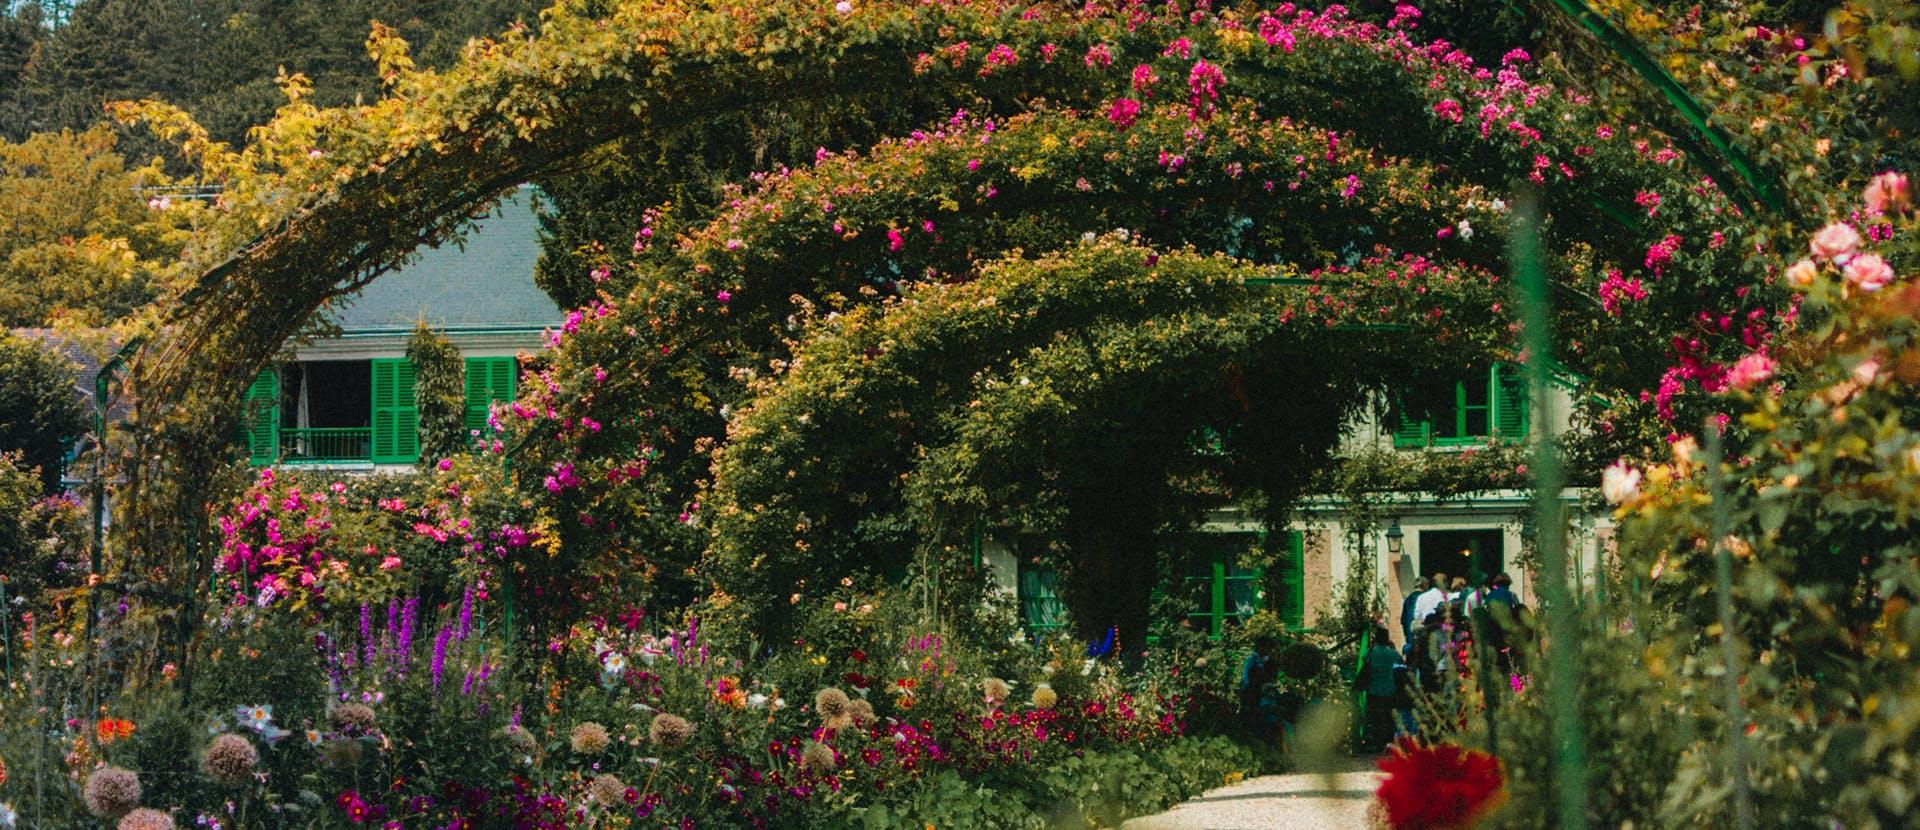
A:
(1835, 240)
(840, 606)
(1801, 274)
(1864, 373)
(1868, 272)
(390, 563)
(1620, 483)
(1887, 193)
(1749, 370)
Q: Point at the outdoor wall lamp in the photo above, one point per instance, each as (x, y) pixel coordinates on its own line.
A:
(1396, 538)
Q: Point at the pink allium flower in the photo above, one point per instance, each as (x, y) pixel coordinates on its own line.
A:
(1887, 193)
(1868, 272)
(1752, 369)
(1835, 240)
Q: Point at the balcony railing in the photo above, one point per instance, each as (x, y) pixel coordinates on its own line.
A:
(326, 445)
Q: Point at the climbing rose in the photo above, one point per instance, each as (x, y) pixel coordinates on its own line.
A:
(1801, 274)
(1620, 483)
(1438, 786)
(1749, 370)
(1868, 272)
(1835, 240)
(1887, 193)
(1124, 112)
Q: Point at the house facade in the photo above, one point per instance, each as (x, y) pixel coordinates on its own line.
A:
(1408, 535)
(347, 400)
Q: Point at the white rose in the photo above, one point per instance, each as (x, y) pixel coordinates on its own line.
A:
(1620, 483)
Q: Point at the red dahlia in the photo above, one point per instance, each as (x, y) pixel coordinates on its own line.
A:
(1439, 787)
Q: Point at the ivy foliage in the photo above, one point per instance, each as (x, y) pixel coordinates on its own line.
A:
(439, 393)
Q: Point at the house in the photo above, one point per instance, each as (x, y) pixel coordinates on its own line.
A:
(1409, 534)
(347, 400)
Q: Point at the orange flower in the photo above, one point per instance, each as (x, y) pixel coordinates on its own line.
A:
(728, 692)
(113, 729)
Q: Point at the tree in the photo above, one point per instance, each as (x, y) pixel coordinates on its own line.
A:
(78, 241)
(40, 409)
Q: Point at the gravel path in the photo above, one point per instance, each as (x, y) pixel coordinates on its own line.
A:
(1298, 801)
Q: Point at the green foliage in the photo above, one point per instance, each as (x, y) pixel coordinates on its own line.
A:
(40, 408)
(439, 393)
(80, 243)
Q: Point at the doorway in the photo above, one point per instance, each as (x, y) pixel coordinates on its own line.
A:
(1475, 554)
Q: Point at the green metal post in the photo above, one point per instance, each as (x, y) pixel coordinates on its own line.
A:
(1563, 705)
(101, 381)
(6, 630)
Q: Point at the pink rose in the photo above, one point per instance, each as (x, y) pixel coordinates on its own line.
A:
(1749, 370)
(1868, 272)
(1835, 240)
(390, 563)
(1864, 373)
(1801, 274)
(1887, 193)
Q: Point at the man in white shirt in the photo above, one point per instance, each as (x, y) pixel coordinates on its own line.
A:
(1430, 600)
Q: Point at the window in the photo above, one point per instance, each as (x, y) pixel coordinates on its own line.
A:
(489, 379)
(1490, 404)
(1040, 607)
(1222, 592)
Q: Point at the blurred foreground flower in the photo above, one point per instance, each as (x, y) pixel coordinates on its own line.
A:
(1439, 787)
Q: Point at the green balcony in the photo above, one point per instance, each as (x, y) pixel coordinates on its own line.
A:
(329, 445)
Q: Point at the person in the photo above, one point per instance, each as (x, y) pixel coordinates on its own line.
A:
(1259, 670)
(1457, 590)
(1408, 619)
(1376, 680)
(1429, 601)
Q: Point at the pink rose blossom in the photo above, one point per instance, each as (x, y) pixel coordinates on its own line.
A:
(1868, 272)
(1887, 193)
(1124, 112)
(1802, 274)
(1834, 241)
(1752, 369)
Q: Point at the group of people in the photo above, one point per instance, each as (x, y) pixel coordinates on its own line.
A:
(1442, 621)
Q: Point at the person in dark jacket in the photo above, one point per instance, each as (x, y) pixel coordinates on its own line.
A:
(1376, 680)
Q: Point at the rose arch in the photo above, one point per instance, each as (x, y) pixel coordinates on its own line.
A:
(1270, 135)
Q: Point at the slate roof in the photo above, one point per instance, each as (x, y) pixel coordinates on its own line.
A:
(485, 285)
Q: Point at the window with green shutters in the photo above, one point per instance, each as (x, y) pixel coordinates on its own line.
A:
(396, 419)
(260, 416)
(1223, 591)
(1040, 607)
(489, 379)
(1489, 405)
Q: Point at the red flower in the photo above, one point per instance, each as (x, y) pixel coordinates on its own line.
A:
(1439, 787)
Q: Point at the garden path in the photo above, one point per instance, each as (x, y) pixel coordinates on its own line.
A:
(1333, 800)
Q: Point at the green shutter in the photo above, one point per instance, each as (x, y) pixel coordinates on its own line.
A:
(1040, 605)
(1292, 581)
(489, 379)
(1409, 433)
(1509, 396)
(396, 419)
(260, 415)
